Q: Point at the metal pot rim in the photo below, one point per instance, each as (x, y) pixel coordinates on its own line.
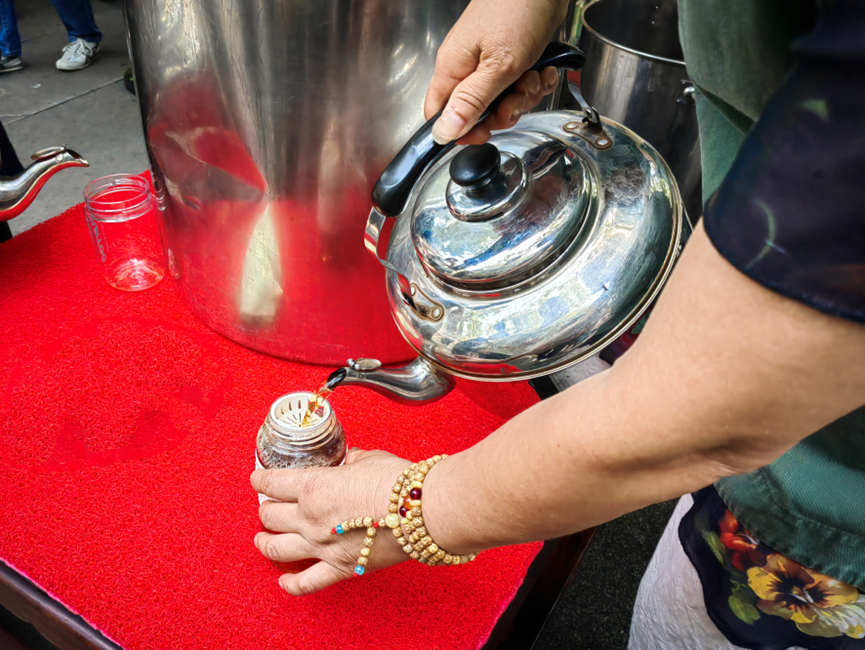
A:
(609, 41)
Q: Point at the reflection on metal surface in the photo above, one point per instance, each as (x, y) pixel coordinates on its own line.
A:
(635, 74)
(578, 372)
(261, 283)
(415, 384)
(614, 246)
(18, 192)
(519, 239)
(267, 125)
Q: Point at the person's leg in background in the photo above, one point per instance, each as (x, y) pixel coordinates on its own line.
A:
(713, 585)
(10, 40)
(669, 613)
(84, 35)
(9, 166)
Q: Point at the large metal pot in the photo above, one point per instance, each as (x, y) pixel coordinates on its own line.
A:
(267, 124)
(635, 74)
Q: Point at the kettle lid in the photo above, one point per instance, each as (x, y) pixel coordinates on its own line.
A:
(502, 212)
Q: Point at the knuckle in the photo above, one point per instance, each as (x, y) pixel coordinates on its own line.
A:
(469, 98)
(310, 486)
(316, 514)
(268, 483)
(266, 514)
(316, 526)
(318, 522)
(271, 550)
(502, 62)
(305, 585)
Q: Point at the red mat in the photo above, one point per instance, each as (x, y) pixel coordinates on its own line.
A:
(127, 434)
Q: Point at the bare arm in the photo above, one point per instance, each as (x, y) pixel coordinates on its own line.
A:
(725, 377)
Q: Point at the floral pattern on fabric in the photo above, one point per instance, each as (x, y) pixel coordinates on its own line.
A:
(761, 599)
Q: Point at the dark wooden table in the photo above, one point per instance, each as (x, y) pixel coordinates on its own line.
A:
(517, 629)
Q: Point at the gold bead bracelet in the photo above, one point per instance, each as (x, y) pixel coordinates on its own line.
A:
(407, 523)
(405, 520)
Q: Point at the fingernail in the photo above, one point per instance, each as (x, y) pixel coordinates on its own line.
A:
(535, 86)
(516, 114)
(255, 539)
(283, 584)
(448, 127)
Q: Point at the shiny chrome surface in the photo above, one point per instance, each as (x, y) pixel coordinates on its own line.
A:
(18, 192)
(635, 75)
(573, 375)
(545, 197)
(418, 383)
(503, 192)
(599, 286)
(267, 125)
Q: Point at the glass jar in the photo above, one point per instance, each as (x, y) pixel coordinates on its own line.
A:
(284, 443)
(122, 219)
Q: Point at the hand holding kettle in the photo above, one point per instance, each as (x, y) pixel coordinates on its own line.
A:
(490, 48)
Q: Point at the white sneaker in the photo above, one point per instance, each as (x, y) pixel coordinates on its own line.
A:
(10, 63)
(78, 55)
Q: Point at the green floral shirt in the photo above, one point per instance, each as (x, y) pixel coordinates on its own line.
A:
(781, 105)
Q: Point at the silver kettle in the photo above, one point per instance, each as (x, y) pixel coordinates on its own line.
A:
(520, 257)
(18, 192)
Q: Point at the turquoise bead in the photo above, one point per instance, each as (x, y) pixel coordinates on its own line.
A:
(339, 530)
(359, 570)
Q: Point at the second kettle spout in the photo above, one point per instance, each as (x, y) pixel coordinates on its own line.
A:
(18, 192)
(414, 384)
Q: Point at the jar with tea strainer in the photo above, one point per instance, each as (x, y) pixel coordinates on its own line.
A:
(285, 442)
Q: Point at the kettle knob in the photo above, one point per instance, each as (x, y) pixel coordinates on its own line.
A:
(476, 165)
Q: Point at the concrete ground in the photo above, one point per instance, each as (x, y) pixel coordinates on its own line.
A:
(89, 110)
(92, 112)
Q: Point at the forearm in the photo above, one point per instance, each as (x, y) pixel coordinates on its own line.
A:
(569, 463)
(722, 381)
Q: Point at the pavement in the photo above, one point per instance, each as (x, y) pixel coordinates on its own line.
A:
(91, 111)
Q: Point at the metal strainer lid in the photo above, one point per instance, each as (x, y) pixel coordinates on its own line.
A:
(500, 213)
(287, 414)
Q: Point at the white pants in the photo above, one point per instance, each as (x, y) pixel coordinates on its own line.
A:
(670, 612)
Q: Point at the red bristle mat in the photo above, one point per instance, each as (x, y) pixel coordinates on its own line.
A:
(127, 436)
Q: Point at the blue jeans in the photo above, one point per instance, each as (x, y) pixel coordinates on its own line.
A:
(10, 41)
(76, 15)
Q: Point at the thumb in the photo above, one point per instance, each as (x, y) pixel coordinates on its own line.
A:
(317, 577)
(469, 100)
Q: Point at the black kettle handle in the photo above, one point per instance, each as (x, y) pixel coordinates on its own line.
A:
(394, 186)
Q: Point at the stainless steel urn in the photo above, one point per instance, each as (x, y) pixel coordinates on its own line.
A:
(267, 125)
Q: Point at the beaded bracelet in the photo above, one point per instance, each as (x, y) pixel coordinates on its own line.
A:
(369, 540)
(409, 530)
(405, 521)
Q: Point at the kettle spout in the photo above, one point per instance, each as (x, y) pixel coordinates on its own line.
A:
(415, 384)
(18, 192)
